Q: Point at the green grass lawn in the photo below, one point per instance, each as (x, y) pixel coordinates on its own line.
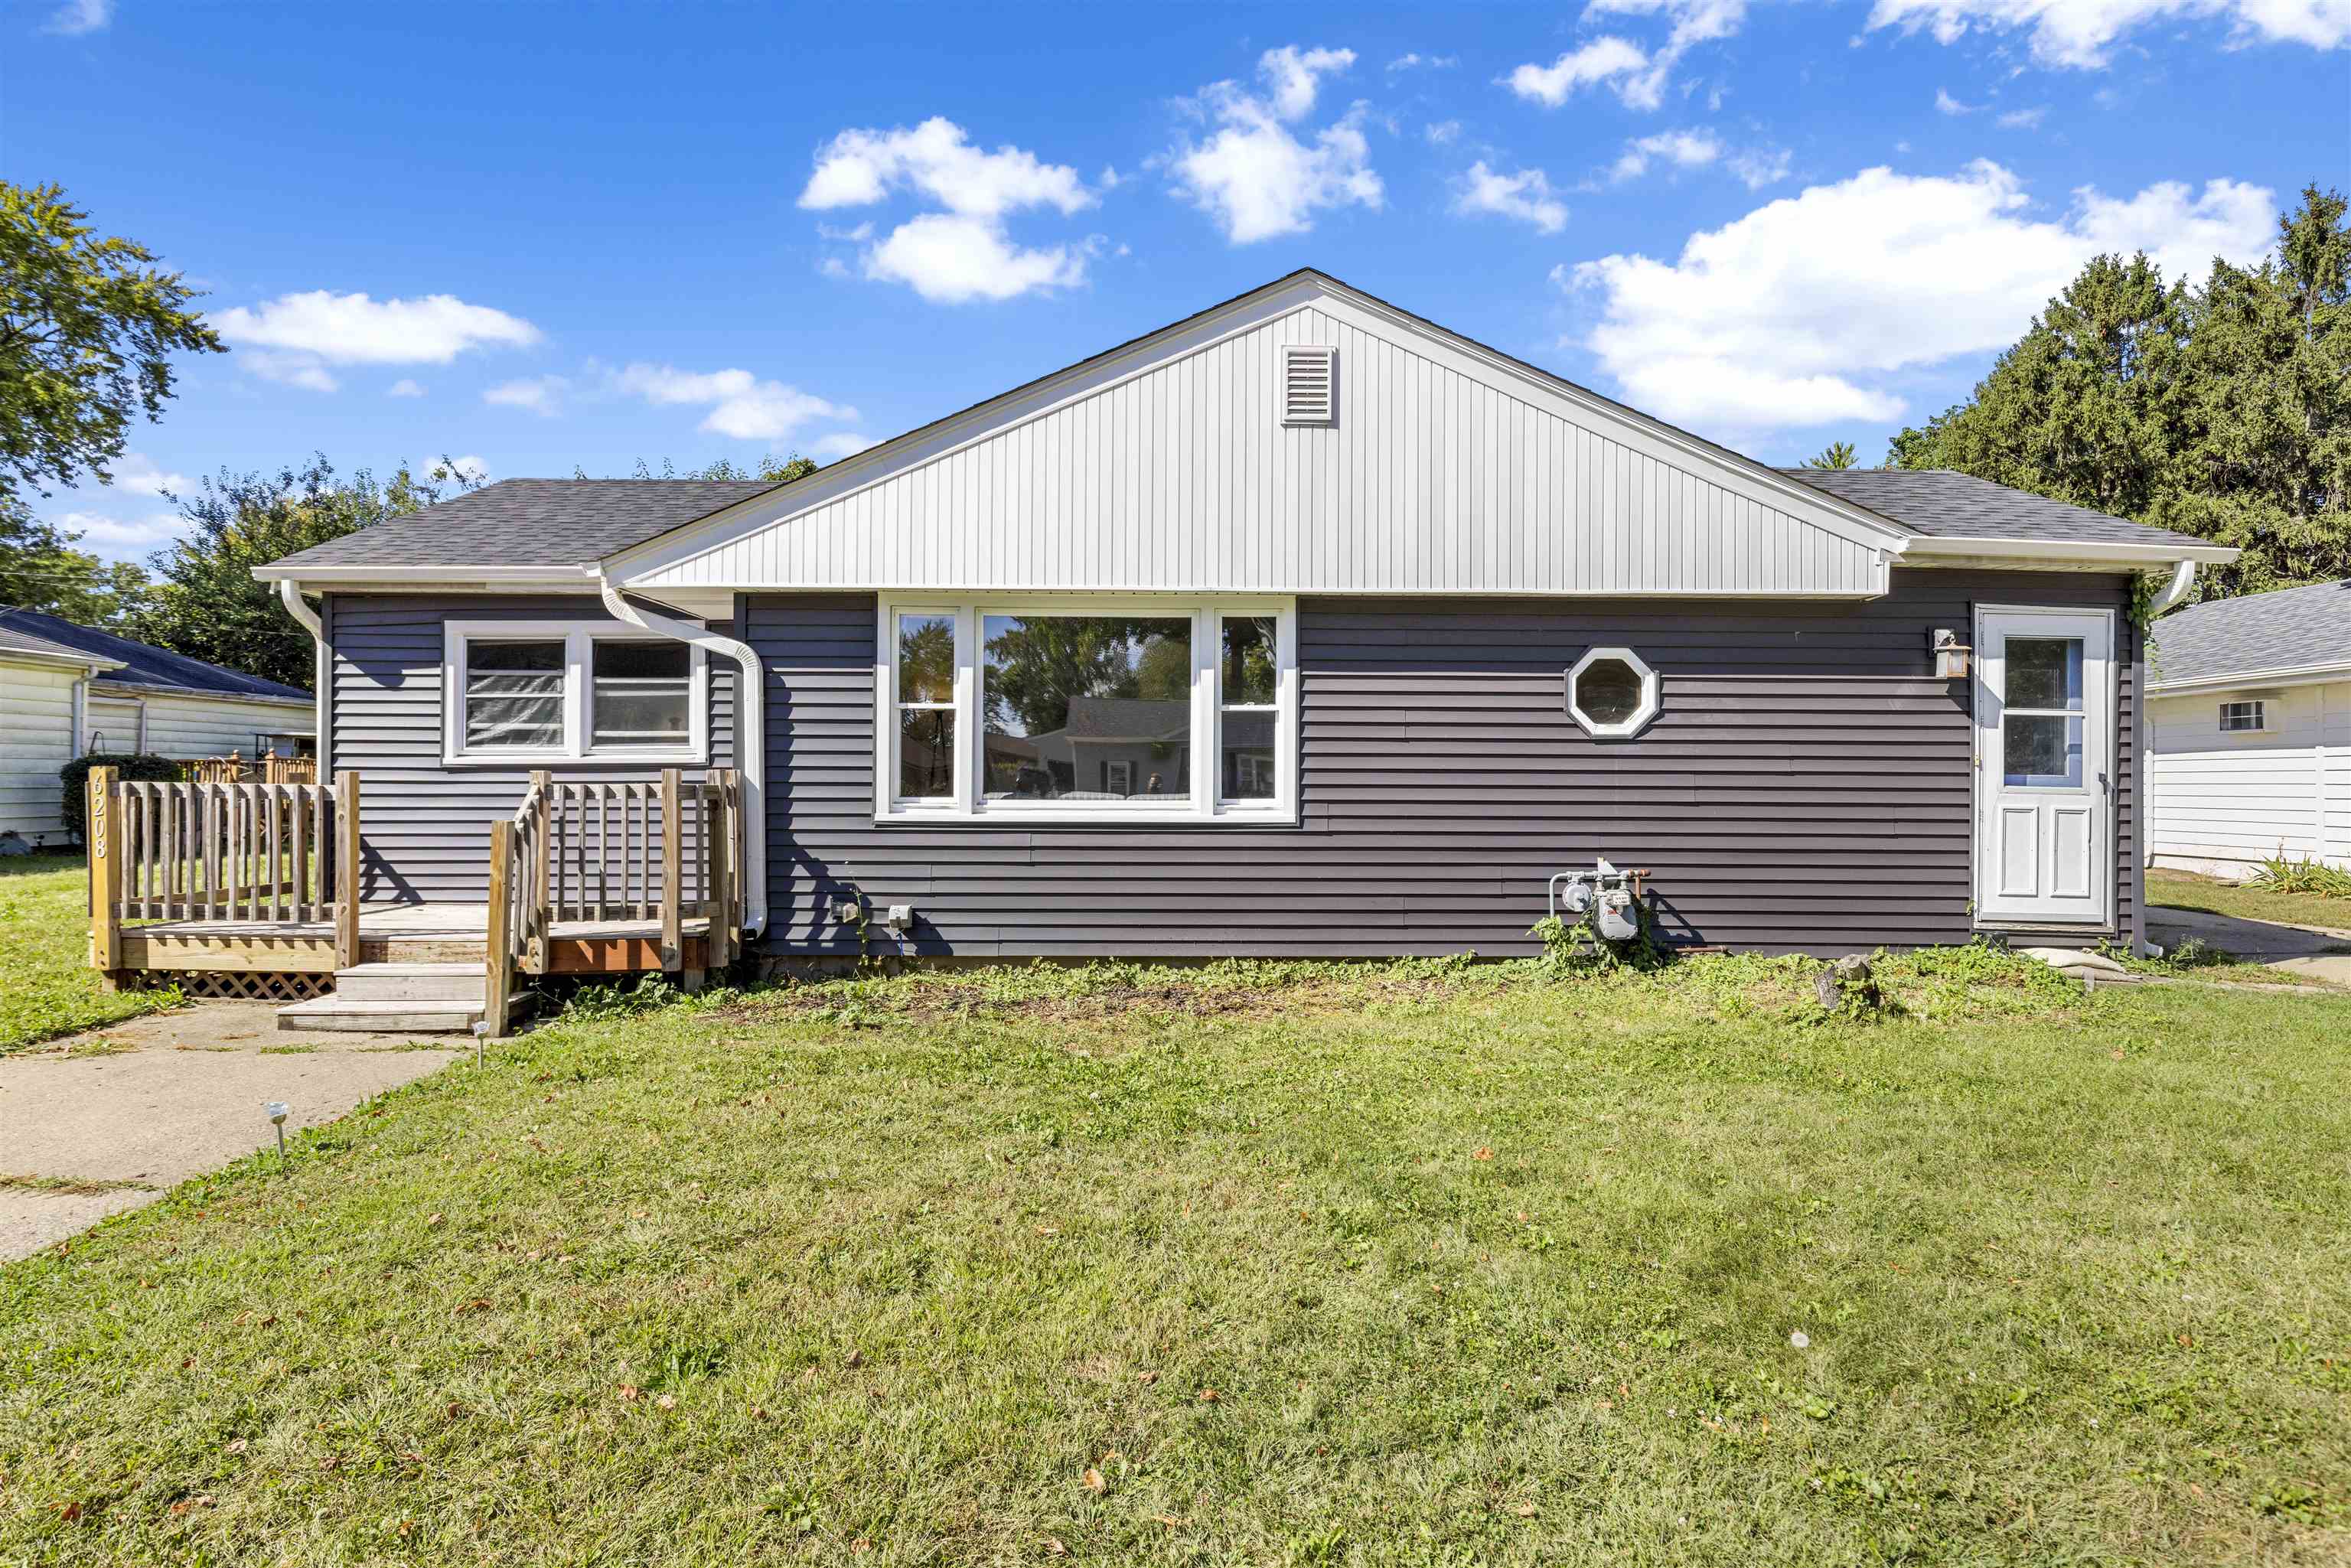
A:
(2184, 890)
(47, 986)
(1423, 1264)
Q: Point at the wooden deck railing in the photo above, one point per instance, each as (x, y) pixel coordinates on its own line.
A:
(599, 851)
(234, 769)
(280, 853)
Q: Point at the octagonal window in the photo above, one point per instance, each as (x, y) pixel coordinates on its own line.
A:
(1612, 692)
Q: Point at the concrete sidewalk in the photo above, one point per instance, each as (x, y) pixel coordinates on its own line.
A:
(2312, 950)
(108, 1121)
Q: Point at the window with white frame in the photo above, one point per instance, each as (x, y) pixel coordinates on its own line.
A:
(2243, 715)
(1086, 709)
(526, 692)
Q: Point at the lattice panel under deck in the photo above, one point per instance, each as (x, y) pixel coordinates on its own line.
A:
(238, 985)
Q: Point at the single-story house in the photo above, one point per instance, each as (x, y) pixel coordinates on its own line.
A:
(2249, 703)
(1301, 626)
(69, 690)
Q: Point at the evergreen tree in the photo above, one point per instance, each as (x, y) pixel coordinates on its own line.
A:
(2222, 411)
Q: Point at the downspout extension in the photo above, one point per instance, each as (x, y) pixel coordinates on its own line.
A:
(289, 594)
(750, 735)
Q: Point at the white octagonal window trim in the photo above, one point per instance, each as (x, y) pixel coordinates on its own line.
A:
(1612, 692)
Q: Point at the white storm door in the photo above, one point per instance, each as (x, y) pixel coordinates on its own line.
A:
(2045, 839)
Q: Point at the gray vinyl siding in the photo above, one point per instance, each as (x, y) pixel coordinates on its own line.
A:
(1806, 786)
(426, 829)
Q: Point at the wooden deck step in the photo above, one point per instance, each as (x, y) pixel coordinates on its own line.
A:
(406, 982)
(382, 1016)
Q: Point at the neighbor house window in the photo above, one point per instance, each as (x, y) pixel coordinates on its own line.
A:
(1087, 710)
(2237, 717)
(540, 692)
(1612, 692)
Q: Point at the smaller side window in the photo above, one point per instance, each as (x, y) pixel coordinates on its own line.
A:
(2247, 716)
(1612, 692)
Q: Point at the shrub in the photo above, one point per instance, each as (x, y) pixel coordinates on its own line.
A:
(2279, 874)
(133, 766)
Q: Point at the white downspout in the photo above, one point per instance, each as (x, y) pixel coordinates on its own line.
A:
(2183, 577)
(750, 735)
(289, 594)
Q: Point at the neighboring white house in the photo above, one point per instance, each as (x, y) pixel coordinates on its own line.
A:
(2250, 739)
(66, 690)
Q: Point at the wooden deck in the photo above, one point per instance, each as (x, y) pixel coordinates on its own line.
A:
(398, 933)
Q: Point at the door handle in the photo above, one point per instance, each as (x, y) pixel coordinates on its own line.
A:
(2105, 787)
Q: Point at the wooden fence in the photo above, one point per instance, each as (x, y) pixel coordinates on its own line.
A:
(236, 770)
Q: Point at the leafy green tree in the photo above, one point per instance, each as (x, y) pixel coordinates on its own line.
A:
(40, 569)
(1036, 665)
(1835, 454)
(88, 328)
(204, 601)
(773, 468)
(2222, 411)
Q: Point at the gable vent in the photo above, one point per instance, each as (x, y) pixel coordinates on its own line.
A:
(1310, 392)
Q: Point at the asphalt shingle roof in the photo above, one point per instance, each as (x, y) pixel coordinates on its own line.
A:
(15, 641)
(144, 666)
(533, 522)
(2290, 629)
(1942, 504)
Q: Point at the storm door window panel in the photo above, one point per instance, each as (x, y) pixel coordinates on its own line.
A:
(641, 695)
(1086, 709)
(926, 706)
(514, 696)
(1249, 688)
(2042, 714)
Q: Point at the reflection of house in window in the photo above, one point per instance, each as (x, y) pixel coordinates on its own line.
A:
(1247, 764)
(1108, 749)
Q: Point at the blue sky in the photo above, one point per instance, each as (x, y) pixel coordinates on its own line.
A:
(546, 237)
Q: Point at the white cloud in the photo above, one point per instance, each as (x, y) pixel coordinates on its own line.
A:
(839, 444)
(138, 475)
(1603, 60)
(1639, 77)
(542, 395)
(967, 251)
(118, 539)
(1255, 176)
(1946, 104)
(2021, 120)
(1416, 61)
(302, 371)
(407, 386)
(1682, 149)
(294, 338)
(353, 329)
(1758, 166)
(1442, 132)
(741, 405)
(2078, 33)
(76, 17)
(858, 168)
(1525, 195)
(1799, 312)
(948, 258)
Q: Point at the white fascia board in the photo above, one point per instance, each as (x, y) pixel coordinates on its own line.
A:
(2249, 680)
(69, 660)
(329, 578)
(1195, 335)
(1923, 550)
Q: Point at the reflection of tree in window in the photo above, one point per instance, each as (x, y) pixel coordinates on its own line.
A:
(1065, 696)
(1608, 691)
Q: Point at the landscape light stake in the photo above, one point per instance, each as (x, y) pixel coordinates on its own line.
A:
(277, 1110)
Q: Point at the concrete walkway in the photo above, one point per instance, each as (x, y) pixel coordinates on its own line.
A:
(2313, 950)
(108, 1121)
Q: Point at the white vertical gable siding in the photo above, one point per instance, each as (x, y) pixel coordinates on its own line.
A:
(2225, 801)
(1430, 480)
(36, 740)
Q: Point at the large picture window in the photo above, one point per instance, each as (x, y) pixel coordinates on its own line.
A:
(1087, 710)
(530, 693)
